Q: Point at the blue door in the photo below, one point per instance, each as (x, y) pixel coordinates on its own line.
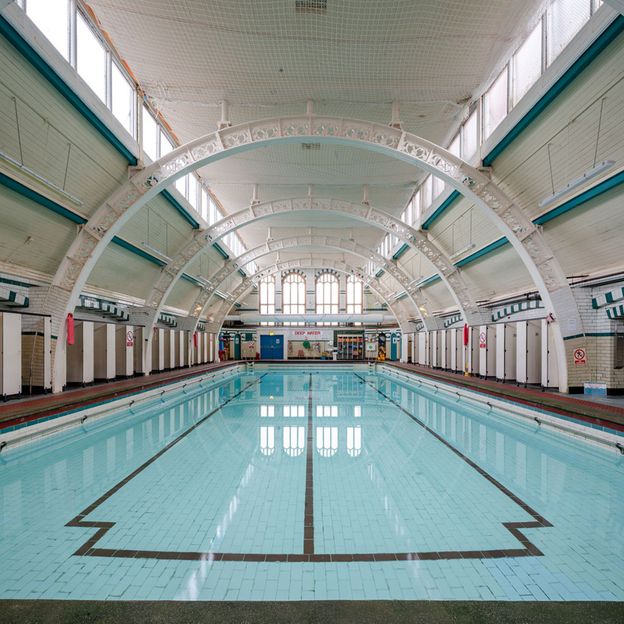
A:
(395, 346)
(271, 347)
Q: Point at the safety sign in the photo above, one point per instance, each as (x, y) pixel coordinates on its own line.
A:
(580, 356)
(482, 340)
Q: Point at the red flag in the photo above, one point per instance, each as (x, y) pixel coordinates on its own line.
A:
(466, 334)
(70, 329)
(195, 339)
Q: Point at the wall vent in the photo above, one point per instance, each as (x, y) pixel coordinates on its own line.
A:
(311, 7)
(311, 146)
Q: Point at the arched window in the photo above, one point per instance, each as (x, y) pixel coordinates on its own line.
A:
(354, 295)
(267, 295)
(327, 294)
(293, 294)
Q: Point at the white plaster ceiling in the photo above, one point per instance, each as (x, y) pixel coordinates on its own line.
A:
(267, 60)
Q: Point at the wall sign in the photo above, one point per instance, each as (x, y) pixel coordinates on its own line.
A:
(580, 357)
(482, 340)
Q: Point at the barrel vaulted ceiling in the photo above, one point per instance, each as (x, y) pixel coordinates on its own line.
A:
(266, 59)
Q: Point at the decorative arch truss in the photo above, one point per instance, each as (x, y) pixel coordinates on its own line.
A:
(450, 275)
(476, 185)
(206, 295)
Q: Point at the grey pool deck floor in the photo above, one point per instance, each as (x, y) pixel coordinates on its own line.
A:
(356, 612)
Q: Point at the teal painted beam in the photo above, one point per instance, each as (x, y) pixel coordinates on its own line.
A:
(191, 280)
(242, 273)
(441, 209)
(137, 251)
(47, 203)
(399, 252)
(67, 92)
(24, 48)
(379, 273)
(10, 282)
(221, 251)
(33, 196)
(497, 244)
(582, 198)
(604, 186)
(181, 209)
(429, 280)
(593, 51)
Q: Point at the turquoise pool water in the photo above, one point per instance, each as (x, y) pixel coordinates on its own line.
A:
(313, 484)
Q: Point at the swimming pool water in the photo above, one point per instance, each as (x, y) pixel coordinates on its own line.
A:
(316, 484)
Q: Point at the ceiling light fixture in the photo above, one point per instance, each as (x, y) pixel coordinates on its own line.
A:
(588, 175)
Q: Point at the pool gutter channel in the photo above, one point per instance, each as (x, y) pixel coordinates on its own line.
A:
(602, 439)
(35, 432)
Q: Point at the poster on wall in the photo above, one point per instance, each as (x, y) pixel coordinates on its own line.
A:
(381, 347)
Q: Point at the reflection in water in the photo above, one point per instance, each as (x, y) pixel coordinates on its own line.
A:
(326, 411)
(294, 440)
(267, 440)
(327, 441)
(354, 440)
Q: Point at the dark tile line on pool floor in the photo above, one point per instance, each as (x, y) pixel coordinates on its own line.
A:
(308, 556)
(308, 518)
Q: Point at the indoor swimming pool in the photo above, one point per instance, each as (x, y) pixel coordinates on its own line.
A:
(326, 483)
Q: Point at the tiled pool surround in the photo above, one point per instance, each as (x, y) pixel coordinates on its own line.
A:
(89, 548)
(318, 520)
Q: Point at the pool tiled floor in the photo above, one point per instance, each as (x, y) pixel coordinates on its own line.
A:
(313, 486)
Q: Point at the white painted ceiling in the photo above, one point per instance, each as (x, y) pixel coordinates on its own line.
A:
(267, 60)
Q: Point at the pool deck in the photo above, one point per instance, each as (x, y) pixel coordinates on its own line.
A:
(574, 406)
(29, 408)
(356, 612)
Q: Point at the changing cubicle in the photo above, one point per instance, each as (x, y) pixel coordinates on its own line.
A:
(124, 350)
(36, 353)
(159, 342)
(487, 351)
(455, 350)
(142, 359)
(470, 352)
(445, 349)
(423, 348)
(506, 342)
(104, 351)
(415, 343)
(212, 348)
(10, 354)
(81, 354)
(529, 352)
(549, 371)
(434, 348)
(180, 348)
(170, 349)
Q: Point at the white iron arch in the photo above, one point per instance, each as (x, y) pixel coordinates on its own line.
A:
(230, 267)
(450, 275)
(293, 243)
(144, 185)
